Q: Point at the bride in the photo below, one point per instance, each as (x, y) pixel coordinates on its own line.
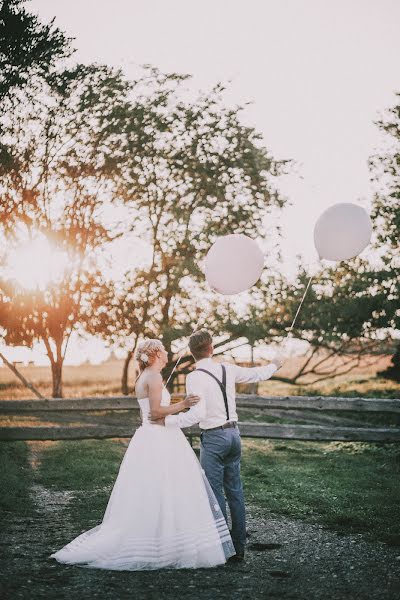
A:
(161, 511)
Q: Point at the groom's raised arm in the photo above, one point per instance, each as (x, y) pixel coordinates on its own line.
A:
(197, 412)
(254, 374)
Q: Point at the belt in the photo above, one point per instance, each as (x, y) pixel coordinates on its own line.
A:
(224, 426)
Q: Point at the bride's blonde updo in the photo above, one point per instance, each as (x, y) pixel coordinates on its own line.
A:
(146, 352)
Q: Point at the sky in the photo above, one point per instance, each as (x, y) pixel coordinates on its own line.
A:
(318, 73)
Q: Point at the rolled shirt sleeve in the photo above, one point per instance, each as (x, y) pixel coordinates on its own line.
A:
(254, 374)
(195, 414)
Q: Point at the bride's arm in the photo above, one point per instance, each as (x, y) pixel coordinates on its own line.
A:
(155, 386)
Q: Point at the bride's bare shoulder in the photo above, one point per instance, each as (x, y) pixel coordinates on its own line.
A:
(147, 380)
(154, 378)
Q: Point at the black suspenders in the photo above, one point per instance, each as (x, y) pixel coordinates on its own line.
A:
(221, 385)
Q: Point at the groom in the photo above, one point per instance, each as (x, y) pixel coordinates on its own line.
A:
(220, 448)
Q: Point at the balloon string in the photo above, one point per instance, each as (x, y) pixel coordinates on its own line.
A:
(300, 305)
(181, 353)
(176, 364)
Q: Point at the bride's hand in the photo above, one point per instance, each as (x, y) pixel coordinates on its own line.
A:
(190, 400)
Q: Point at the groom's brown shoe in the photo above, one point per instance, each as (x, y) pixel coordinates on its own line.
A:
(236, 559)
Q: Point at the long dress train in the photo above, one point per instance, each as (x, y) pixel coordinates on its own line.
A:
(161, 512)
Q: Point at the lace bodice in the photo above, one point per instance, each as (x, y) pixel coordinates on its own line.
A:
(144, 404)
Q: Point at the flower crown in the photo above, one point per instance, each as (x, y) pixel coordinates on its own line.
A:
(146, 348)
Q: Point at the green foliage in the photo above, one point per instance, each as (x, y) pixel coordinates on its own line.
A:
(27, 47)
(348, 303)
(80, 138)
(385, 169)
(352, 308)
(385, 172)
(197, 173)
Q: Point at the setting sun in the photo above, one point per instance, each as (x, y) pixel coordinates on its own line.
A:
(36, 264)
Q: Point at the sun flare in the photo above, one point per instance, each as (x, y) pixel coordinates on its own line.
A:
(36, 264)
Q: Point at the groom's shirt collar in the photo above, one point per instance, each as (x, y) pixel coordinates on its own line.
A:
(203, 362)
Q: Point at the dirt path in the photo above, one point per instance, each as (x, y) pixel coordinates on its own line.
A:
(285, 559)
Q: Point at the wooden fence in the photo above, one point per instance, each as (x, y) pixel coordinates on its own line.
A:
(119, 416)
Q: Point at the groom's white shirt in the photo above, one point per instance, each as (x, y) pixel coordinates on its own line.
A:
(210, 410)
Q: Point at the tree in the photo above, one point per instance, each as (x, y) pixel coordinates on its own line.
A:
(352, 308)
(340, 319)
(200, 173)
(28, 49)
(59, 164)
(385, 172)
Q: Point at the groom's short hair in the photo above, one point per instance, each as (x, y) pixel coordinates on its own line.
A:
(200, 343)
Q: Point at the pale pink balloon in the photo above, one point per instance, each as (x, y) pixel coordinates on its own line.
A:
(233, 264)
(342, 232)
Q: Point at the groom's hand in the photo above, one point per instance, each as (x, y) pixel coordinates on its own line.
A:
(278, 361)
(157, 421)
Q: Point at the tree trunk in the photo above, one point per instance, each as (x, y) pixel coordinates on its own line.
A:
(56, 372)
(393, 371)
(125, 371)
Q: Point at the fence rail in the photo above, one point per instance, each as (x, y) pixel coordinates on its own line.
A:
(243, 401)
(76, 407)
(247, 429)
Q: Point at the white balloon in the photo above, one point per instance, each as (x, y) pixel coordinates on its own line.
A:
(342, 231)
(233, 264)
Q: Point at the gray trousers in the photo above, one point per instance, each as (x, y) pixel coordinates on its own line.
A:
(220, 452)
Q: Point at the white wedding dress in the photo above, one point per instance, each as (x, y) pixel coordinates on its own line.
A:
(161, 511)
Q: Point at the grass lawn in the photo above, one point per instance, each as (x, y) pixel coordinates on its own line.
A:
(15, 479)
(349, 487)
